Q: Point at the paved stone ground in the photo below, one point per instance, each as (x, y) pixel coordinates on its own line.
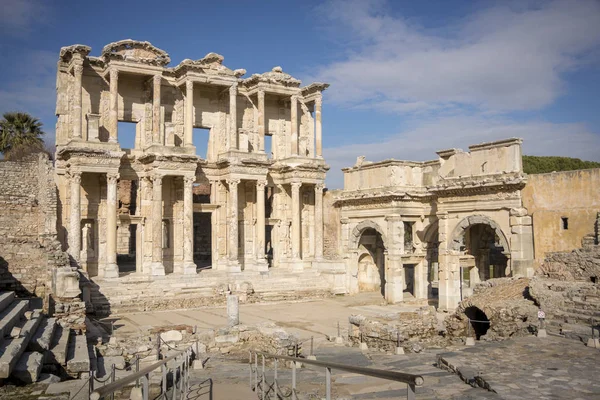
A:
(531, 368)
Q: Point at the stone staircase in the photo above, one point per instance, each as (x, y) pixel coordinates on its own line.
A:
(32, 344)
(574, 318)
(139, 293)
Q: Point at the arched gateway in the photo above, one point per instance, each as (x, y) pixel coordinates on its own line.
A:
(368, 241)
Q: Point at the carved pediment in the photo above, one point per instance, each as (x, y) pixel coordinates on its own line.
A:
(275, 76)
(135, 51)
(67, 53)
(210, 64)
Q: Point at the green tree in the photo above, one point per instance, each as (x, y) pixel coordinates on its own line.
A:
(542, 165)
(20, 134)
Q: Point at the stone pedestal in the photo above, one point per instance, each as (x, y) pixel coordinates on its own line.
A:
(542, 333)
(233, 310)
(399, 351)
(470, 341)
(363, 346)
(595, 343)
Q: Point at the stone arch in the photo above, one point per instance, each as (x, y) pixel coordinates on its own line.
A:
(460, 229)
(360, 228)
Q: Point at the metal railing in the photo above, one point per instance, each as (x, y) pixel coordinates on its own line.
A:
(257, 385)
(179, 372)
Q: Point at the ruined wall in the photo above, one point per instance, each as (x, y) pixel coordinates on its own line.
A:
(574, 195)
(27, 224)
(331, 227)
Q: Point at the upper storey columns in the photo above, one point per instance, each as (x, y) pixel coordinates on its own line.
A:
(113, 107)
(318, 126)
(294, 122)
(189, 113)
(78, 73)
(233, 90)
(156, 82)
(261, 120)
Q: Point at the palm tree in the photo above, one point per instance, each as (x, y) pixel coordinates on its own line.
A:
(20, 134)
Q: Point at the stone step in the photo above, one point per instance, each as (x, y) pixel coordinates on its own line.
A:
(12, 349)
(11, 316)
(29, 367)
(59, 348)
(78, 359)
(42, 339)
(6, 298)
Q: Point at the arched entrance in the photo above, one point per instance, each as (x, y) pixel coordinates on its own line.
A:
(371, 262)
(369, 271)
(484, 250)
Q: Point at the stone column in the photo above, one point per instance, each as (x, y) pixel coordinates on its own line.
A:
(75, 216)
(318, 221)
(449, 268)
(261, 120)
(156, 82)
(233, 224)
(260, 222)
(318, 126)
(214, 223)
(78, 73)
(294, 121)
(111, 269)
(233, 117)
(157, 215)
(188, 225)
(394, 271)
(296, 223)
(114, 107)
(189, 114)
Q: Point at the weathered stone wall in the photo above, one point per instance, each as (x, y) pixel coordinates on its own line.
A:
(331, 227)
(551, 197)
(577, 265)
(31, 260)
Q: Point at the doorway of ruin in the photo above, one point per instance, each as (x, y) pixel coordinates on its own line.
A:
(409, 279)
(489, 254)
(478, 320)
(202, 240)
(371, 262)
(127, 248)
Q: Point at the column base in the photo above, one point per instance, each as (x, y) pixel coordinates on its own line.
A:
(261, 265)
(189, 268)
(234, 266)
(157, 269)
(111, 271)
(297, 265)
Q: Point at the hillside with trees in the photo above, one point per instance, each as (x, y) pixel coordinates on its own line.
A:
(542, 165)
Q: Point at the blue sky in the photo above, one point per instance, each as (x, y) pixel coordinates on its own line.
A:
(407, 78)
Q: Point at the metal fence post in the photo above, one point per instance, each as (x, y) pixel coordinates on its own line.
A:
(163, 370)
(294, 397)
(275, 385)
(262, 385)
(312, 339)
(158, 346)
(145, 386)
(91, 382)
(339, 334)
(255, 372)
(328, 383)
(137, 369)
(410, 391)
(112, 379)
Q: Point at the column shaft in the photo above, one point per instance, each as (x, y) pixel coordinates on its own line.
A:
(75, 216)
(233, 117)
(156, 82)
(318, 221)
(318, 126)
(260, 221)
(233, 220)
(114, 107)
(189, 114)
(294, 122)
(188, 225)
(112, 269)
(157, 229)
(296, 220)
(78, 72)
(261, 120)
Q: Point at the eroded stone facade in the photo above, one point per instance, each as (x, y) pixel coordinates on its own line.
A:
(417, 226)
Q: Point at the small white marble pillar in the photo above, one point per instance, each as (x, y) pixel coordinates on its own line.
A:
(319, 126)
(111, 269)
(113, 114)
(294, 122)
(296, 222)
(78, 74)
(318, 226)
(75, 215)
(234, 265)
(188, 139)
(261, 120)
(233, 310)
(157, 267)
(260, 225)
(233, 117)
(156, 83)
(214, 223)
(188, 225)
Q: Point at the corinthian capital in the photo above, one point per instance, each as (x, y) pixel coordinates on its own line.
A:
(114, 74)
(112, 178)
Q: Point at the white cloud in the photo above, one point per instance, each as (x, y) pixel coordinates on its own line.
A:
(498, 59)
(18, 17)
(422, 141)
